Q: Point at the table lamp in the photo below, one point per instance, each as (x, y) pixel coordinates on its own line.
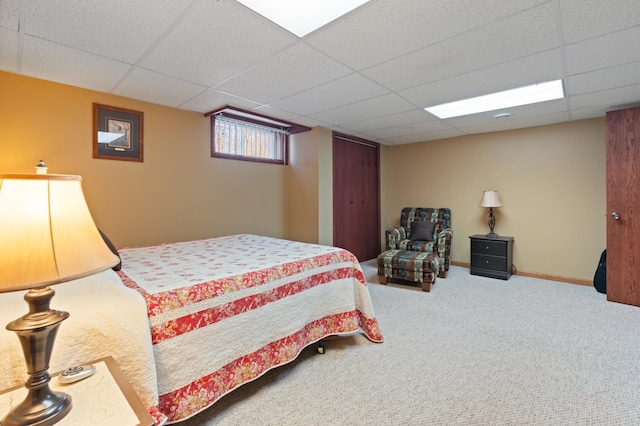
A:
(491, 199)
(47, 237)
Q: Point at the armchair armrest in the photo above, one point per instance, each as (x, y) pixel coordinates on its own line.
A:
(393, 237)
(444, 249)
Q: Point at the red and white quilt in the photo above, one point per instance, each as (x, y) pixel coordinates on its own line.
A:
(223, 311)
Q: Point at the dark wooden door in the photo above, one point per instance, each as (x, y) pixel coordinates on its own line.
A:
(345, 196)
(368, 207)
(623, 206)
(356, 218)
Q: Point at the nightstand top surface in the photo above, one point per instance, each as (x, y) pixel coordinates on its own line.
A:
(496, 238)
(105, 398)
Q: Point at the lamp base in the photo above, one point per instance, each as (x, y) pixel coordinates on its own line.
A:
(37, 332)
(41, 407)
(492, 223)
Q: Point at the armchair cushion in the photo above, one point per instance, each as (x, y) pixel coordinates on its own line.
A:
(422, 230)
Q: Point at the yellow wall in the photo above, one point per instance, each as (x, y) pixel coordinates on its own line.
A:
(178, 193)
(551, 180)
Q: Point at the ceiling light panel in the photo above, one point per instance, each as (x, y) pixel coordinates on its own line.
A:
(526, 95)
(302, 17)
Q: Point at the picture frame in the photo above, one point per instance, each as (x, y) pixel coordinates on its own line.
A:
(117, 133)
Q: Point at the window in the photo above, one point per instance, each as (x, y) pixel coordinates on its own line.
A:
(239, 138)
(244, 135)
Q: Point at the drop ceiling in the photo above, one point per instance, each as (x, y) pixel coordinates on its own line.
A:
(369, 73)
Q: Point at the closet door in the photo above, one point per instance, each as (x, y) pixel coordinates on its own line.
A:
(623, 206)
(345, 196)
(356, 206)
(368, 201)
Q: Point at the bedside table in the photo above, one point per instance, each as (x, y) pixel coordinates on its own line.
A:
(491, 257)
(106, 398)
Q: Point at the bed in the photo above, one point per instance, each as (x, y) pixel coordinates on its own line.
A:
(195, 320)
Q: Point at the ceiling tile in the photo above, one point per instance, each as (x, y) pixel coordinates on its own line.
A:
(406, 26)
(214, 41)
(157, 88)
(410, 129)
(608, 78)
(53, 62)
(617, 98)
(276, 113)
(370, 108)
(117, 29)
(9, 14)
(345, 90)
(502, 125)
(537, 68)
(311, 122)
(523, 34)
(603, 52)
(393, 121)
(8, 57)
(583, 19)
(212, 99)
(583, 114)
(296, 69)
(425, 137)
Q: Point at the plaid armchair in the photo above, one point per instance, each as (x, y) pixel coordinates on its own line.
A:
(399, 237)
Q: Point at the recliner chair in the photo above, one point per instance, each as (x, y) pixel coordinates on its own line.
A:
(401, 238)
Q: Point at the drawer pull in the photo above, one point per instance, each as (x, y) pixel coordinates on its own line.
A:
(487, 262)
(487, 247)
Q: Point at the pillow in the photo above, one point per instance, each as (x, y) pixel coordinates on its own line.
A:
(113, 249)
(422, 230)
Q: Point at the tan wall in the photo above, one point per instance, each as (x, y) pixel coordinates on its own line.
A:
(325, 186)
(302, 187)
(310, 187)
(178, 193)
(551, 180)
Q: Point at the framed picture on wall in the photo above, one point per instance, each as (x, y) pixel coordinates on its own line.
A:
(117, 133)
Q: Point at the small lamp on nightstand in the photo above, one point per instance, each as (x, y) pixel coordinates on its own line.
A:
(47, 237)
(491, 199)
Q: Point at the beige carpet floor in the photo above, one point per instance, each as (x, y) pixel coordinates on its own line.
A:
(473, 351)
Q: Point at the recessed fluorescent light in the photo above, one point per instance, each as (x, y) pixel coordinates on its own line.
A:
(535, 93)
(302, 16)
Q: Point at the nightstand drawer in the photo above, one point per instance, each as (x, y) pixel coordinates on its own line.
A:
(489, 262)
(493, 248)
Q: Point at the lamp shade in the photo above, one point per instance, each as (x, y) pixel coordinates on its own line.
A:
(490, 198)
(47, 235)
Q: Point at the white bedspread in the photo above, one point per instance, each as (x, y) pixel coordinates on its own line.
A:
(223, 311)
